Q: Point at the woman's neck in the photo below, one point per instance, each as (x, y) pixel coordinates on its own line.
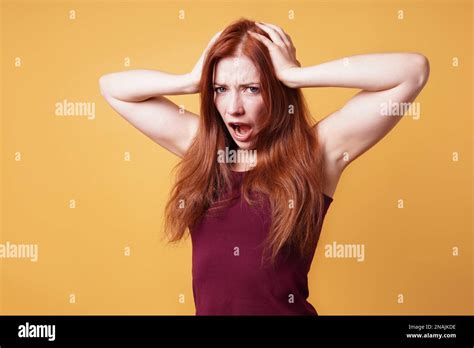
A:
(241, 167)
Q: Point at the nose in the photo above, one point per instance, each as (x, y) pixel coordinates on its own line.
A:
(235, 106)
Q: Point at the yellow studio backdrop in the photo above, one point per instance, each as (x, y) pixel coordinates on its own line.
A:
(89, 191)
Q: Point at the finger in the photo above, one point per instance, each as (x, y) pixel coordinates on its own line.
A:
(267, 42)
(285, 37)
(282, 34)
(274, 35)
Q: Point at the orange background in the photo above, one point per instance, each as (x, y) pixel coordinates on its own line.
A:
(120, 203)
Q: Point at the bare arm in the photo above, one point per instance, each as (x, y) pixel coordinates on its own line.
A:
(384, 78)
(139, 85)
(137, 95)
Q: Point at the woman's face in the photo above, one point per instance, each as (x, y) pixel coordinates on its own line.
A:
(238, 98)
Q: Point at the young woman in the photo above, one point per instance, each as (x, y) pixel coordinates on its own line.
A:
(255, 223)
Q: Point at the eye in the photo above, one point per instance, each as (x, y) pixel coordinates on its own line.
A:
(217, 89)
(255, 90)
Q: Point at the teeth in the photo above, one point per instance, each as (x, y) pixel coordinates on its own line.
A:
(240, 130)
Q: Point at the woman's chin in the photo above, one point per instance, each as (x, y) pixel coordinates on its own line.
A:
(244, 146)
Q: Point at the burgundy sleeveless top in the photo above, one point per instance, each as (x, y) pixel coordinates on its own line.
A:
(226, 264)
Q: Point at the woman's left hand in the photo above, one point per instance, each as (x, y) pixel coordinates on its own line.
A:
(281, 49)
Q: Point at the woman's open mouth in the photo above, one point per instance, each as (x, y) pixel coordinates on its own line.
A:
(241, 131)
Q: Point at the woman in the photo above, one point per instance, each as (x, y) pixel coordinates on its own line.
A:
(255, 223)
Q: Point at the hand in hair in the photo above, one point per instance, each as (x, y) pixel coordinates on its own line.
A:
(281, 49)
(195, 74)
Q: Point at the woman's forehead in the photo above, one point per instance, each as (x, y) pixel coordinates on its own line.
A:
(232, 70)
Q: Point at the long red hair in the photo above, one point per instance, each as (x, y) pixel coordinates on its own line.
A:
(289, 167)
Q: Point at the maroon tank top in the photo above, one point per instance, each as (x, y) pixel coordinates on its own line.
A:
(226, 264)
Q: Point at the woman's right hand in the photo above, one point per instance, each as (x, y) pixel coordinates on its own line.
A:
(195, 74)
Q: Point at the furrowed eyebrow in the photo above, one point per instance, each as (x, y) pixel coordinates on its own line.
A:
(246, 84)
